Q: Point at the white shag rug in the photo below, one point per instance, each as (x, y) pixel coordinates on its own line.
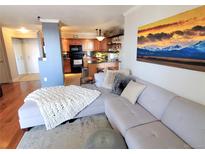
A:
(66, 136)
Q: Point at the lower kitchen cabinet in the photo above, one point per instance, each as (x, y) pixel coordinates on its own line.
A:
(67, 66)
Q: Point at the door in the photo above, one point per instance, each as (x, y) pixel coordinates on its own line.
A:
(18, 51)
(31, 54)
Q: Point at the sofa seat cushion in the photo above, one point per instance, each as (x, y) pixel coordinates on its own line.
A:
(187, 120)
(153, 136)
(124, 115)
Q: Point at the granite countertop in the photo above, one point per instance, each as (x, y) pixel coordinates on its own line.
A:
(66, 58)
(100, 61)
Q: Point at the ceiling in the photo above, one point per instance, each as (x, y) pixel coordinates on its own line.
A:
(76, 18)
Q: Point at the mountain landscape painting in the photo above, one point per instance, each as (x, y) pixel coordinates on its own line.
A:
(176, 41)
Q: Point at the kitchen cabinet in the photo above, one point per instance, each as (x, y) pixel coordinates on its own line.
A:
(103, 45)
(65, 45)
(88, 45)
(67, 66)
(100, 45)
(75, 41)
(96, 45)
(92, 69)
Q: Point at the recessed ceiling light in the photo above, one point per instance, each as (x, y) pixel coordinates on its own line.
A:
(23, 30)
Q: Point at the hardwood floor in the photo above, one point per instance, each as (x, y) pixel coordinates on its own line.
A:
(14, 94)
(72, 79)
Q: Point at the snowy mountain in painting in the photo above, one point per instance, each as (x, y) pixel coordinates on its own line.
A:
(194, 51)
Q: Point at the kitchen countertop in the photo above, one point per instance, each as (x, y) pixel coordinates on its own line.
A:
(98, 62)
(66, 58)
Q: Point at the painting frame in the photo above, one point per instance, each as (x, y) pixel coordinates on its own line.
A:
(156, 44)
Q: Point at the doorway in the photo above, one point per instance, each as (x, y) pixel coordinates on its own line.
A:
(26, 53)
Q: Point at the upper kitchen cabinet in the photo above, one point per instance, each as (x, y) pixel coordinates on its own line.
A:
(100, 45)
(103, 45)
(75, 41)
(96, 45)
(65, 45)
(88, 44)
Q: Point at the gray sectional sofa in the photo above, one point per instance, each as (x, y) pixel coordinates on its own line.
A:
(159, 119)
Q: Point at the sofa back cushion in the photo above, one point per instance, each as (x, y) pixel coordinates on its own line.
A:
(120, 82)
(110, 77)
(99, 79)
(154, 98)
(133, 91)
(187, 120)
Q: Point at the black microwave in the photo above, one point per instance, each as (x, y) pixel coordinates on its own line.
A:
(75, 48)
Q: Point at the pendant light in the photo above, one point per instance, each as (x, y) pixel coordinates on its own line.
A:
(99, 36)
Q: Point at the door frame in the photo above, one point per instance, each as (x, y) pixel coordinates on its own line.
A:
(6, 76)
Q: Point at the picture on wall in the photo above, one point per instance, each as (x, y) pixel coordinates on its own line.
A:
(175, 41)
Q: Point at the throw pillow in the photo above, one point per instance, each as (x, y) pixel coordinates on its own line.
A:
(110, 76)
(99, 79)
(132, 91)
(120, 82)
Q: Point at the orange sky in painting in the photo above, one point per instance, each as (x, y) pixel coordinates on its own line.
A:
(181, 22)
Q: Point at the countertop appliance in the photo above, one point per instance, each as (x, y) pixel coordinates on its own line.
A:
(76, 57)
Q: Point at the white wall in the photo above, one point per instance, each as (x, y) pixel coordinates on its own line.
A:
(187, 83)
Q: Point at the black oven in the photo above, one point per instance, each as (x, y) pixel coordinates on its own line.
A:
(76, 57)
(76, 48)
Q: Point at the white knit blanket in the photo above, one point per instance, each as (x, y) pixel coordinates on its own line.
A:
(61, 103)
